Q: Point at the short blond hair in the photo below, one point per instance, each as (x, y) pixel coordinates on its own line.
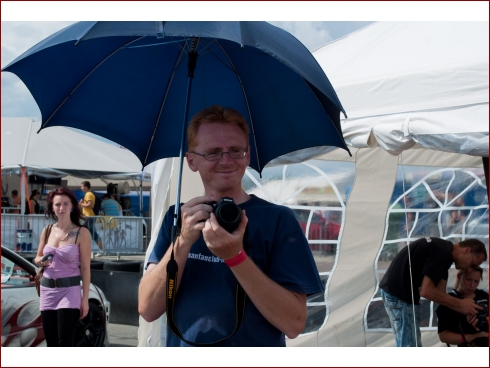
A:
(215, 114)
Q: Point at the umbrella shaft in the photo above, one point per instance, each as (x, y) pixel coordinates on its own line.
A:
(176, 232)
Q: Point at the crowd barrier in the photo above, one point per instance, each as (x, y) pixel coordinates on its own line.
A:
(121, 234)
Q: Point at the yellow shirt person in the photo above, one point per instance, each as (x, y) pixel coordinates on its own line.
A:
(87, 204)
(88, 211)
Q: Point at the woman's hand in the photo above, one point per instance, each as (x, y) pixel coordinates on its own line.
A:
(83, 308)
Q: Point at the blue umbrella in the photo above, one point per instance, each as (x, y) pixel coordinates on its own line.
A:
(137, 83)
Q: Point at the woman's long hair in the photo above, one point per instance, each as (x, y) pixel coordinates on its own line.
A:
(34, 193)
(75, 214)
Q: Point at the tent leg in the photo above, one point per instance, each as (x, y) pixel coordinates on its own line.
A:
(485, 168)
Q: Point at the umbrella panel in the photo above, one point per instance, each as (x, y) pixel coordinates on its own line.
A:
(285, 112)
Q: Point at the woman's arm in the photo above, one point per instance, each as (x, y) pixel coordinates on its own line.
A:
(40, 248)
(84, 245)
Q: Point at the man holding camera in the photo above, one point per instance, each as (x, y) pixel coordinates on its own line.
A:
(267, 255)
(426, 267)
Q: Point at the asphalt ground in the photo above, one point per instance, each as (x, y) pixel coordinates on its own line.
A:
(122, 335)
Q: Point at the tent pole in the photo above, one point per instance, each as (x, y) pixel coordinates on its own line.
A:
(141, 193)
(485, 169)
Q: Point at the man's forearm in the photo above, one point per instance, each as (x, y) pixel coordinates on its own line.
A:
(152, 294)
(440, 297)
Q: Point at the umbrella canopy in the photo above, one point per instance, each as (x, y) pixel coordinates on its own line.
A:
(128, 82)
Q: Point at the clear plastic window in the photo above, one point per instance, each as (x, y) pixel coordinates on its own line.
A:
(437, 202)
(317, 192)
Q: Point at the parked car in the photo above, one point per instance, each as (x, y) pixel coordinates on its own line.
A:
(21, 318)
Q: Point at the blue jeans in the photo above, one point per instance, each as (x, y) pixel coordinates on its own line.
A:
(91, 228)
(402, 321)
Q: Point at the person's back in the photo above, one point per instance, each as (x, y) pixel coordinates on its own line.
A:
(110, 207)
(428, 256)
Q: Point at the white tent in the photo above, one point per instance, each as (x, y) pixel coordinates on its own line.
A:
(61, 152)
(411, 90)
(61, 149)
(403, 83)
(416, 95)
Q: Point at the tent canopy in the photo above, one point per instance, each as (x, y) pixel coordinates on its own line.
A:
(398, 92)
(60, 151)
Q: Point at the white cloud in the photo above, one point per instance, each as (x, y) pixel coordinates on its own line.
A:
(18, 37)
(311, 34)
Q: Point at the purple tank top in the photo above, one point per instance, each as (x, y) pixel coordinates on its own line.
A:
(64, 263)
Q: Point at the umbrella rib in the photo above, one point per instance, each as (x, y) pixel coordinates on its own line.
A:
(178, 62)
(157, 44)
(246, 103)
(83, 80)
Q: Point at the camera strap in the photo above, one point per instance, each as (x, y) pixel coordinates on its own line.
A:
(172, 272)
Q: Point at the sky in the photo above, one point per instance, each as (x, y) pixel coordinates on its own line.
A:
(313, 23)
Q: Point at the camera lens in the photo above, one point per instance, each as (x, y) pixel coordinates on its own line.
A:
(228, 213)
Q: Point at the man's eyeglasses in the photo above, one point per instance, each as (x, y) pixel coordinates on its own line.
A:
(215, 156)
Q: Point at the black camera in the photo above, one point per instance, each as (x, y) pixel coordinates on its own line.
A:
(47, 257)
(227, 212)
(482, 315)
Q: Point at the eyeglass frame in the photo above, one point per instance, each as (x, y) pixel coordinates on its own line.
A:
(244, 150)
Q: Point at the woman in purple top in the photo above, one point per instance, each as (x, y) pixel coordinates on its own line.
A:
(63, 301)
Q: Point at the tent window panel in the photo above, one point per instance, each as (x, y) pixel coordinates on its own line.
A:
(395, 225)
(478, 222)
(324, 256)
(461, 181)
(453, 221)
(439, 202)
(426, 225)
(377, 316)
(315, 318)
(426, 312)
(389, 251)
(317, 192)
(316, 313)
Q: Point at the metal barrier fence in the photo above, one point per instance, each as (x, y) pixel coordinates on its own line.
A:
(121, 234)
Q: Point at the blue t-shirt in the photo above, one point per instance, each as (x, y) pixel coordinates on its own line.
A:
(110, 207)
(205, 302)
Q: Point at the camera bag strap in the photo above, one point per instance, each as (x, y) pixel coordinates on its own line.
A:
(172, 271)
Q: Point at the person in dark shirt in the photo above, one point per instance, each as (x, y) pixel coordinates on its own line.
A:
(454, 328)
(273, 263)
(426, 267)
(35, 207)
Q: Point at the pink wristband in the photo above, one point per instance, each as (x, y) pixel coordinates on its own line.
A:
(235, 261)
